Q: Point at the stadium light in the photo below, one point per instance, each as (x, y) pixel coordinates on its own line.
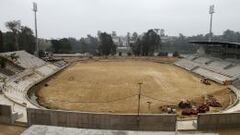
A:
(211, 12)
(36, 34)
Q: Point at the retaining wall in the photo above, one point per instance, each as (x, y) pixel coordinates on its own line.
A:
(101, 121)
(6, 115)
(218, 121)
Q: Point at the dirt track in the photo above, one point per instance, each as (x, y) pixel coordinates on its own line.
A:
(112, 86)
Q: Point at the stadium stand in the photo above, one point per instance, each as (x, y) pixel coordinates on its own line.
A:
(217, 69)
(29, 70)
(45, 70)
(24, 59)
(212, 75)
(202, 60)
(191, 57)
(186, 64)
(237, 83)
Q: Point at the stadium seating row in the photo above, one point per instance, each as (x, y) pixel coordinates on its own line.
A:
(216, 69)
(237, 83)
(35, 70)
(25, 59)
(212, 75)
(186, 64)
(45, 70)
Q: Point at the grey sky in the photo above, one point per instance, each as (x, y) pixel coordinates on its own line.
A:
(77, 18)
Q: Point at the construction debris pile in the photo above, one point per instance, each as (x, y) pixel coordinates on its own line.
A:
(189, 109)
(170, 109)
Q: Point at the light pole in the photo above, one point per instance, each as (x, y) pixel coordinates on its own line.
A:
(36, 34)
(139, 102)
(149, 106)
(211, 12)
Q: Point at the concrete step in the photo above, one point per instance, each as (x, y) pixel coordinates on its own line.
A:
(190, 125)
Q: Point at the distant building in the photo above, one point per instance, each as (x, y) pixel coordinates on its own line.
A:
(166, 38)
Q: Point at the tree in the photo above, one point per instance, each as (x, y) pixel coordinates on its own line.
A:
(2, 62)
(150, 43)
(106, 46)
(75, 45)
(231, 36)
(55, 46)
(65, 46)
(92, 44)
(14, 26)
(134, 36)
(136, 47)
(146, 45)
(26, 39)
(1, 42)
(61, 46)
(83, 46)
(8, 43)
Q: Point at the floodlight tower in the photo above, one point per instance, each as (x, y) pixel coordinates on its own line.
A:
(36, 34)
(211, 12)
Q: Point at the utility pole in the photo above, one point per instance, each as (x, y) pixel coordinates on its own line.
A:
(139, 102)
(36, 34)
(211, 12)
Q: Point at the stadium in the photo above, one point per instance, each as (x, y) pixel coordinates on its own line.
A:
(126, 93)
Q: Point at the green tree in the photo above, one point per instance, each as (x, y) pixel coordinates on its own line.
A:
(147, 45)
(65, 46)
(106, 45)
(55, 46)
(150, 43)
(92, 44)
(134, 36)
(1, 42)
(2, 62)
(75, 45)
(8, 43)
(14, 27)
(83, 45)
(136, 47)
(231, 36)
(26, 40)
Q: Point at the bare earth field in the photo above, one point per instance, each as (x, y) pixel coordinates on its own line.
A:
(112, 86)
(11, 130)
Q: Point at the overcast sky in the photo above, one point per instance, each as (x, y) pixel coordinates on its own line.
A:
(77, 18)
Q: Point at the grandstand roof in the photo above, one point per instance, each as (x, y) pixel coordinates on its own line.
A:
(217, 43)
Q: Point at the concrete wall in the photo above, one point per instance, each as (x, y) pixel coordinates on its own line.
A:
(218, 121)
(6, 115)
(101, 121)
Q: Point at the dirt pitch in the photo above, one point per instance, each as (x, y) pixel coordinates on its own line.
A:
(112, 86)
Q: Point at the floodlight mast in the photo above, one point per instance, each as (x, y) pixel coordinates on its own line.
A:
(36, 33)
(211, 12)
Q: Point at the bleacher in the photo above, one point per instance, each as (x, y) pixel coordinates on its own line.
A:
(25, 59)
(217, 69)
(237, 83)
(186, 64)
(233, 71)
(45, 70)
(202, 60)
(35, 70)
(191, 57)
(212, 75)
